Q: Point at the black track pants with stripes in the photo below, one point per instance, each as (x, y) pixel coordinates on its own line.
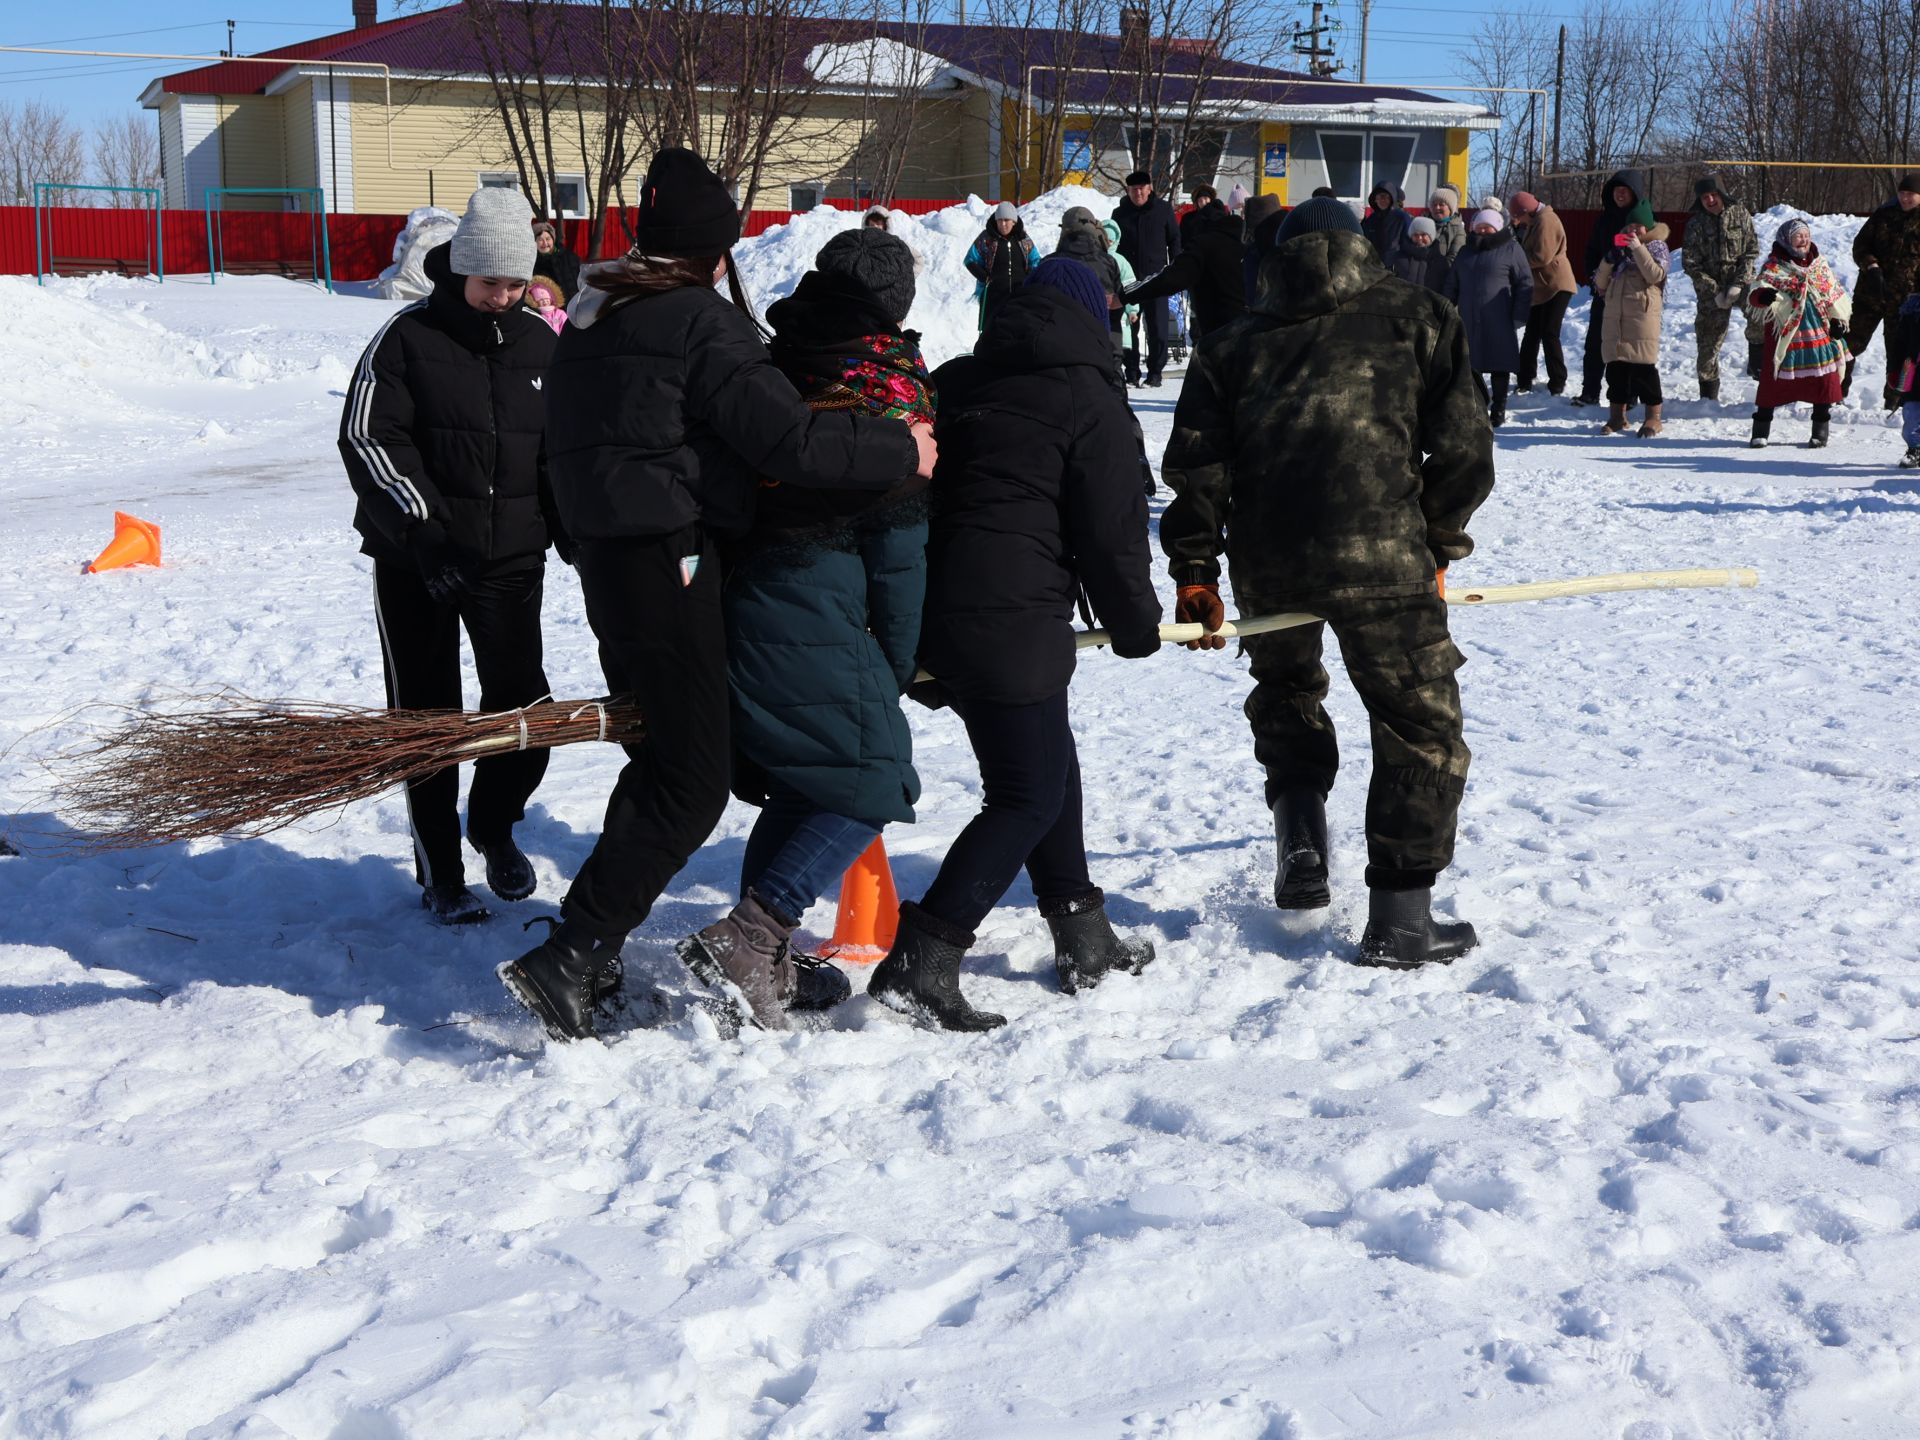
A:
(420, 647)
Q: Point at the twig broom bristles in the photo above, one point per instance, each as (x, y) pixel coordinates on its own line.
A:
(231, 765)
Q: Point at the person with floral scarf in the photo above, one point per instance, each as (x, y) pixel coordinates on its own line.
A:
(822, 609)
(1800, 312)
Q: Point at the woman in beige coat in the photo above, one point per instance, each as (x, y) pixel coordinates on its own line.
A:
(1544, 239)
(1632, 279)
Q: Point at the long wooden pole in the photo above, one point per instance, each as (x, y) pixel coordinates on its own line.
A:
(1741, 579)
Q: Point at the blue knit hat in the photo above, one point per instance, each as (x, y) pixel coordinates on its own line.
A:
(1074, 280)
(1315, 215)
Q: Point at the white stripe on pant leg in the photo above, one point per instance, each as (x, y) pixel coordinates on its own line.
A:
(393, 703)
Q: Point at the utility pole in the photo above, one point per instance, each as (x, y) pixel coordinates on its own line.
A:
(1559, 89)
(1366, 15)
(1309, 41)
(229, 50)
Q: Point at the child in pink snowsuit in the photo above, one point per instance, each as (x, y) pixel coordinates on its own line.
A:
(545, 297)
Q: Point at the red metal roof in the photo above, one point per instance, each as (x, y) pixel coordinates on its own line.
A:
(370, 44)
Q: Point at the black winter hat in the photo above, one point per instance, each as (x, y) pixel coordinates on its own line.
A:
(1139, 177)
(684, 209)
(1910, 182)
(876, 261)
(1312, 216)
(1709, 184)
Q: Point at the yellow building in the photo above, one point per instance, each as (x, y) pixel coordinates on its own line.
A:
(388, 116)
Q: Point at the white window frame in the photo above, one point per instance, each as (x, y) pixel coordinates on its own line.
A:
(816, 188)
(585, 198)
(1369, 170)
(510, 180)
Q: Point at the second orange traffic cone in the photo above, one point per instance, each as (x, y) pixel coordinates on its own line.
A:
(869, 910)
(135, 542)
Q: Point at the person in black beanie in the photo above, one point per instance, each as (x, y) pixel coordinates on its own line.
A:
(1036, 500)
(664, 417)
(441, 436)
(1150, 240)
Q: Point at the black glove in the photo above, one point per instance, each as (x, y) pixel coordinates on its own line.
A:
(1136, 644)
(1837, 328)
(432, 554)
(1761, 295)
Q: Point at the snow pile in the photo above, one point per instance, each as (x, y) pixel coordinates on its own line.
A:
(406, 278)
(280, 1161)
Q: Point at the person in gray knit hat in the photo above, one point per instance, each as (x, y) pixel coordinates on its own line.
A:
(443, 436)
(495, 237)
(880, 262)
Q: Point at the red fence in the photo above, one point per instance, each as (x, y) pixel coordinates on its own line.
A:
(362, 245)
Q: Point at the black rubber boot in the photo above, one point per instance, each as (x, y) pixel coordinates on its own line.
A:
(561, 979)
(1753, 359)
(453, 905)
(509, 872)
(1762, 428)
(1822, 424)
(1402, 934)
(1084, 945)
(1709, 389)
(742, 958)
(920, 977)
(1300, 835)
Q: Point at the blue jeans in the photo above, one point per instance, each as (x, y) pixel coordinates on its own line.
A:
(1910, 424)
(797, 850)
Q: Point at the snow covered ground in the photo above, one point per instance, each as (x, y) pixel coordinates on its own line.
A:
(276, 1159)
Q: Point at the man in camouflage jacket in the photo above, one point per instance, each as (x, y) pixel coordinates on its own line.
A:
(1888, 249)
(1719, 252)
(1333, 445)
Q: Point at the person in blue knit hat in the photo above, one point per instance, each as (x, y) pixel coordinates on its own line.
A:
(1036, 498)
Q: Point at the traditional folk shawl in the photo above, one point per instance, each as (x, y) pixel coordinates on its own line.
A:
(879, 374)
(1806, 297)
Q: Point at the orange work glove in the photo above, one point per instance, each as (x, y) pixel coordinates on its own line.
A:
(1440, 581)
(1200, 604)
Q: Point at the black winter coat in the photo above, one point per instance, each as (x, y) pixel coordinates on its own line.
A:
(1036, 497)
(1149, 234)
(1387, 229)
(1612, 217)
(1209, 268)
(1492, 285)
(443, 421)
(664, 411)
(1424, 265)
(561, 266)
(1087, 247)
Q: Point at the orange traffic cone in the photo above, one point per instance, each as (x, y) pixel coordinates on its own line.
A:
(135, 542)
(869, 910)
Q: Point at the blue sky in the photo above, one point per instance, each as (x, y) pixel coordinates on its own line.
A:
(1411, 42)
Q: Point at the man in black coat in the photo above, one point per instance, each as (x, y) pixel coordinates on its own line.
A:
(1621, 193)
(1208, 267)
(1333, 445)
(443, 440)
(1149, 238)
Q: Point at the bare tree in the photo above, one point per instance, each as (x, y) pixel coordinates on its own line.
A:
(1044, 50)
(38, 142)
(1508, 53)
(890, 71)
(126, 151)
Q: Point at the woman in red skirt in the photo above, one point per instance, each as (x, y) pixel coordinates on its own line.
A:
(1803, 350)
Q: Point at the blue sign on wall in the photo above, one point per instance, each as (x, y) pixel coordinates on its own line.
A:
(1076, 151)
(1276, 168)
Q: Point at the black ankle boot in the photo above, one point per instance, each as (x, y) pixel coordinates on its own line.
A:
(920, 977)
(1821, 427)
(509, 872)
(1084, 945)
(1709, 389)
(1402, 934)
(561, 979)
(1300, 832)
(1762, 428)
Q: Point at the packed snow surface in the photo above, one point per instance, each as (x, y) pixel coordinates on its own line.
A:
(277, 1159)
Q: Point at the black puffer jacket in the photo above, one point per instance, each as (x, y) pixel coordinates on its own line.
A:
(1612, 217)
(561, 266)
(1037, 495)
(664, 411)
(443, 421)
(1209, 268)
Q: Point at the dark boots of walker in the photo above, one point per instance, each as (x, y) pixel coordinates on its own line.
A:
(1822, 423)
(1300, 834)
(1084, 945)
(561, 979)
(1754, 348)
(1709, 389)
(1762, 429)
(1402, 934)
(920, 977)
(742, 957)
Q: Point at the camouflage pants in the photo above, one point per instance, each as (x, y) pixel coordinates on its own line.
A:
(1401, 661)
(1710, 326)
